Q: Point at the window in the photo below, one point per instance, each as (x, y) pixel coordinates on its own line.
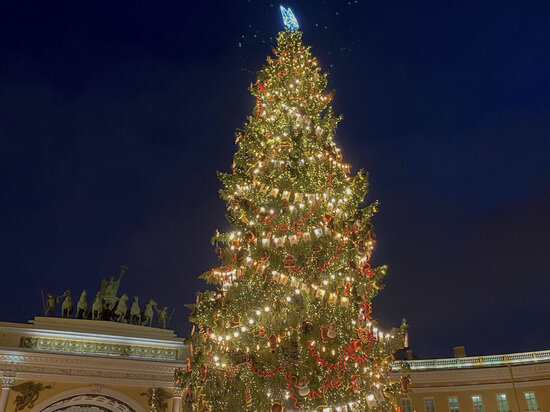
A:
(531, 401)
(502, 403)
(478, 403)
(429, 405)
(453, 404)
(406, 405)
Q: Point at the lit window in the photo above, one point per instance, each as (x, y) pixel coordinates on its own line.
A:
(531, 401)
(453, 404)
(478, 403)
(502, 403)
(406, 405)
(429, 405)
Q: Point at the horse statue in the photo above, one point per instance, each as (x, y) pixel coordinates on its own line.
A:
(121, 308)
(135, 312)
(82, 306)
(67, 306)
(148, 313)
(97, 306)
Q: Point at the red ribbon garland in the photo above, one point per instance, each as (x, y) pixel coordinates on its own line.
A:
(267, 374)
(334, 383)
(331, 260)
(366, 269)
(312, 394)
(289, 385)
(299, 222)
(340, 364)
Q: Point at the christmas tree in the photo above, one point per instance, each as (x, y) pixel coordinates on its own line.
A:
(288, 325)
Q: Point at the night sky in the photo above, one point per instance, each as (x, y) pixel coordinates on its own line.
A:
(115, 116)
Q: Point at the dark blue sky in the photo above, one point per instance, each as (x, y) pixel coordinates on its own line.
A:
(114, 117)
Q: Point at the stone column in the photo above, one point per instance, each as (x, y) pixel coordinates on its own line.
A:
(7, 381)
(176, 400)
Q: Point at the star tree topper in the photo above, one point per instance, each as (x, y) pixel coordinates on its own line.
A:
(289, 19)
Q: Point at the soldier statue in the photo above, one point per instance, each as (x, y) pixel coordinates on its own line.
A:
(51, 301)
(162, 317)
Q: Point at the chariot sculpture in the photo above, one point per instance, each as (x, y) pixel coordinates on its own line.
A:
(107, 306)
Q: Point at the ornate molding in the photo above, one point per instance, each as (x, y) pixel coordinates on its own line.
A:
(177, 392)
(7, 381)
(96, 395)
(78, 346)
(90, 368)
(104, 403)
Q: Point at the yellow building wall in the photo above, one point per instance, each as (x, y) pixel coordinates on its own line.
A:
(465, 404)
(60, 387)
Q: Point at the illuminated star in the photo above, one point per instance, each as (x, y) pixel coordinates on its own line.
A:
(289, 19)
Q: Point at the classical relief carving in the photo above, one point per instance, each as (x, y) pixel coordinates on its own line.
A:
(62, 345)
(29, 393)
(88, 402)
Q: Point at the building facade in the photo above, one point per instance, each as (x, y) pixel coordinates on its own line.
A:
(79, 365)
(499, 383)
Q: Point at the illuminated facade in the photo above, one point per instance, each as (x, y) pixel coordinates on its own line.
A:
(78, 365)
(497, 383)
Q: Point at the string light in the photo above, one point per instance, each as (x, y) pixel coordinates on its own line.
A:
(290, 193)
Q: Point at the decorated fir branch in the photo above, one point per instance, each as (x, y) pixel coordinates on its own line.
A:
(288, 325)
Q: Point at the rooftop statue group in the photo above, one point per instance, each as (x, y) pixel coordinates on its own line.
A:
(107, 306)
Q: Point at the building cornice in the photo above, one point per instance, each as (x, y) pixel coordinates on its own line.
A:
(90, 336)
(480, 386)
(481, 361)
(66, 367)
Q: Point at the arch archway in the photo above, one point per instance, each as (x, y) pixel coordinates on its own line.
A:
(89, 399)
